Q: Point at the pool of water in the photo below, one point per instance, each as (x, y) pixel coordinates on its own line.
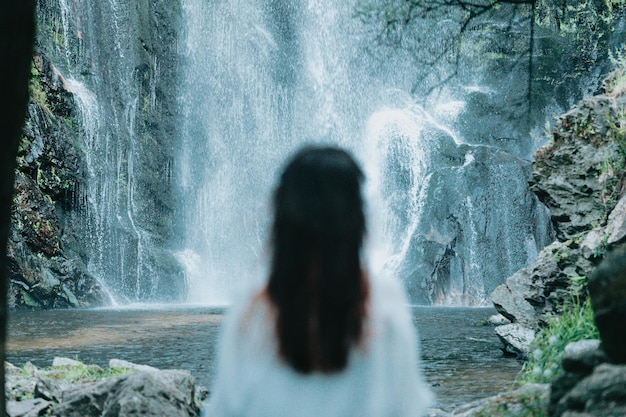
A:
(462, 360)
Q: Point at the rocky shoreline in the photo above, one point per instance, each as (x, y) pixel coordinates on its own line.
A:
(70, 388)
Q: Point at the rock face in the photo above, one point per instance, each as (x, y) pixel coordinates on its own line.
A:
(533, 294)
(446, 229)
(579, 176)
(607, 289)
(93, 210)
(46, 264)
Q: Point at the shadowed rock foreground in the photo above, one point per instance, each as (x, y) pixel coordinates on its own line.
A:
(72, 389)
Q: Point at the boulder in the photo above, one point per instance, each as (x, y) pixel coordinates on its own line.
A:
(122, 364)
(601, 394)
(71, 388)
(516, 338)
(589, 385)
(62, 361)
(583, 356)
(510, 299)
(607, 289)
(162, 393)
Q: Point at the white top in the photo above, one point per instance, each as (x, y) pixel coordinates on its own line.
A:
(381, 379)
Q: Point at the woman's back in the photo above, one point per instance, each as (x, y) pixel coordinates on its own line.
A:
(381, 379)
(321, 338)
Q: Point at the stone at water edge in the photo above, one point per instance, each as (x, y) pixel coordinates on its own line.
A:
(509, 299)
(607, 289)
(516, 338)
(122, 364)
(62, 361)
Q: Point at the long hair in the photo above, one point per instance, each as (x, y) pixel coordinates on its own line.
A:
(316, 280)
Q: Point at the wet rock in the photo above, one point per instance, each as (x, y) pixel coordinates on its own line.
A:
(446, 263)
(44, 269)
(607, 289)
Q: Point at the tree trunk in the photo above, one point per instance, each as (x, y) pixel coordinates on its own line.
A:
(17, 30)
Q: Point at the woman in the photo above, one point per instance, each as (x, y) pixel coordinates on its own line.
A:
(322, 338)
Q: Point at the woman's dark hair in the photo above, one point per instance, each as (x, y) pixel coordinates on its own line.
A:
(316, 282)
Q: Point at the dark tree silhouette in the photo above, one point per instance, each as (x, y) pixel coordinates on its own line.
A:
(433, 31)
(17, 30)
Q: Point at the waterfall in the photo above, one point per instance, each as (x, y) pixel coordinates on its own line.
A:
(260, 78)
(96, 54)
(188, 110)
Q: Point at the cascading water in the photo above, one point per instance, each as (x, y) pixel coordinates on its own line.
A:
(186, 156)
(97, 57)
(263, 77)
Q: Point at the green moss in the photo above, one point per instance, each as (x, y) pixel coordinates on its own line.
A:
(77, 373)
(83, 373)
(58, 38)
(37, 95)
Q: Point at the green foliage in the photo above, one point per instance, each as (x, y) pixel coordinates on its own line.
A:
(81, 373)
(573, 324)
(76, 374)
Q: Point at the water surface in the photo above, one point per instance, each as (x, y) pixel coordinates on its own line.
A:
(461, 359)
